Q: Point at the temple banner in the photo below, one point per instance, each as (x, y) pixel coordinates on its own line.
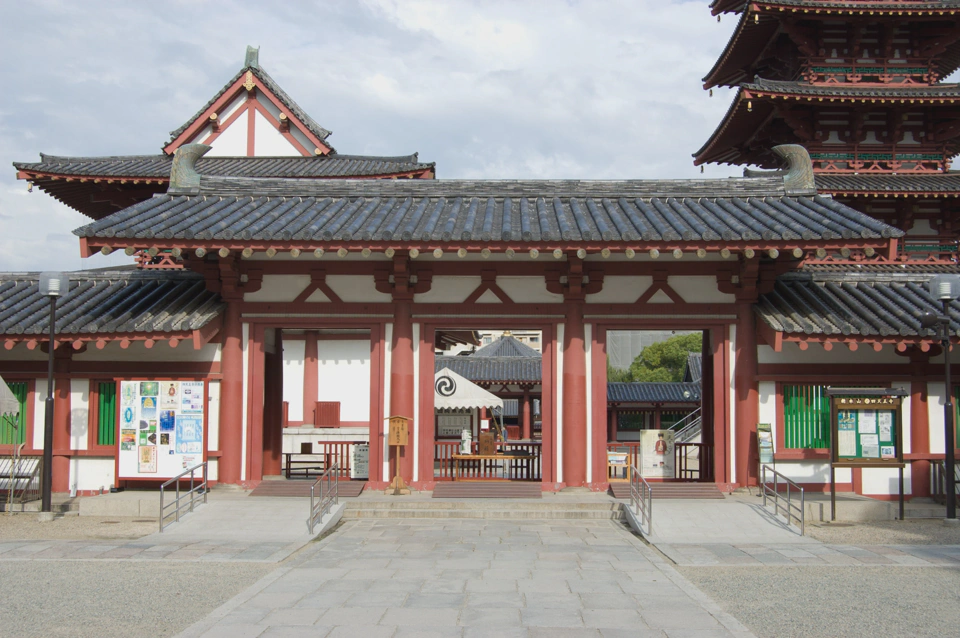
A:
(656, 454)
(162, 428)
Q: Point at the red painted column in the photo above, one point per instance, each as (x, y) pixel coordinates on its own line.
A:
(747, 408)
(612, 431)
(574, 397)
(527, 432)
(707, 401)
(256, 405)
(719, 346)
(231, 396)
(311, 377)
(919, 434)
(402, 383)
(61, 420)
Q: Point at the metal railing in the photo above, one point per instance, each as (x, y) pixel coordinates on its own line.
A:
(20, 479)
(641, 499)
(938, 481)
(329, 495)
(790, 509)
(186, 500)
(687, 428)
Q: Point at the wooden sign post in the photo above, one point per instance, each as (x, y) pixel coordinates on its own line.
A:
(398, 436)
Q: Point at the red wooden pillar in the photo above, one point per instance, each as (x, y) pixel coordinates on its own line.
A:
(574, 397)
(527, 432)
(273, 409)
(311, 377)
(256, 401)
(919, 434)
(61, 420)
(707, 401)
(612, 427)
(402, 382)
(656, 417)
(747, 408)
(231, 396)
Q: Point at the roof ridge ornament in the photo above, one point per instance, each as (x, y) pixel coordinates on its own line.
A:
(252, 58)
(184, 178)
(798, 178)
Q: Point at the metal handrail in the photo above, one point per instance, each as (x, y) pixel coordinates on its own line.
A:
(329, 495)
(683, 423)
(641, 499)
(21, 477)
(186, 500)
(938, 482)
(790, 508)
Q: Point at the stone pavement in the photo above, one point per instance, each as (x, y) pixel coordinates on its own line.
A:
(473, 578)
(813, 553)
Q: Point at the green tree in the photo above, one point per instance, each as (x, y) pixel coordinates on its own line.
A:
(665, 361)
(614, 375)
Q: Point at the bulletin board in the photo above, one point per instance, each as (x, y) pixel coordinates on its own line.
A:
(866, 430)
(162, 428)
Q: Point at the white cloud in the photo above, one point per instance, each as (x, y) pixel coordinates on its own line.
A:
(489, 89)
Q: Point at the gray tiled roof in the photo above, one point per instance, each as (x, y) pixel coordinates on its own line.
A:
(871, 303)
(269, 82)
(493, 369)
(649, 392)
(923, 183)
(109, 302)
(506, 346)
(694, 369)
(158, 166)
(313, 211)
(889, 91)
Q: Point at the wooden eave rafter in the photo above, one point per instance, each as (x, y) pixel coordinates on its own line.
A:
(198, 338)
(775, 339)
(888, 194)
(896, 99)
(747, 34)
(227, 97)
(876, 9)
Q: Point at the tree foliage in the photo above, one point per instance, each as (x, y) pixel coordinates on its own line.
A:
(663, 361)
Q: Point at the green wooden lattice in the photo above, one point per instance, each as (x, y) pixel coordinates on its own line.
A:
(806, 416)
(13, 430)
(107, 413)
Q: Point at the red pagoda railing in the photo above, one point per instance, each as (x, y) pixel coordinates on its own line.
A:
(896, 71)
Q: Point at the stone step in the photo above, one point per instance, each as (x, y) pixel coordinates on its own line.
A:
(684, 490)
(483, 513)
(481, 489)
(301, 487)
(398, 503)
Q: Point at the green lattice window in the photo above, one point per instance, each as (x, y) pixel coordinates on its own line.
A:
(806, 416)
(13, 429)
(106, 413)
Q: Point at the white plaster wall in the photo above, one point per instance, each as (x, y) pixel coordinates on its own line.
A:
(791, 353)
(527, 290)
(812, 472)
(344, 376)
(293, 355)
(301, 137)
(357, 288)
(39, 407)
(617, 289)
(213, 415)
(935, 396)
(387, 359)
(905, 415)
(269, 141)
(232, 141)
(137, 352)
(558, 405)
(768, 406)
(79, 413)
(699, 289)
(92, 473)
(231, 108)
(588, 444)
(279, 288)
(293, 437)
(884, 480)
(449, 290)
(20, 352)
(416, 402)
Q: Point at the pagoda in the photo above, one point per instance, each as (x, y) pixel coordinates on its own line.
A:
(858, 83)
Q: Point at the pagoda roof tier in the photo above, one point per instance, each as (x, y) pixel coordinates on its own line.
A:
(756, 103)
(747, 51)
(98, 186)
(234, 214)
(524, 370)
(838, 7)
(850, 305)
(102, 305)
(940, 184)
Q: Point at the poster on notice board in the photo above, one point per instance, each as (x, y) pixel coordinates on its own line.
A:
(162, 428)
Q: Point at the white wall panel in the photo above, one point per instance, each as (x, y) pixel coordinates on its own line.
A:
(232, 142)
(137, 352)
(39, 407)
(357, 288)
(293, 354)
(269, 142)
(344, 376)
(79, 413)
(279, 288)
(935, 415)
(791, 353)
(92, 473)
(699, 289)
(618, 289)
(449, 290)
(527, 290)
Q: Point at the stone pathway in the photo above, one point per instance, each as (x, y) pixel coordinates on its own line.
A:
(473, 578)
(143, 549)
(813, 553)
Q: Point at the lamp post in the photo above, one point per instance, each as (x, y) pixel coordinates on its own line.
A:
(945, 288)
(52, 285)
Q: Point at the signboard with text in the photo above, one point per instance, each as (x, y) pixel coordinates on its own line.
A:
(866, 430)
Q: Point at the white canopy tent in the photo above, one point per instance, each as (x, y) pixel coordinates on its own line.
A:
(454, 392)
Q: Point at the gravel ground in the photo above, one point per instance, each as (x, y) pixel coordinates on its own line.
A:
(908, 532)
(104, 599)
(813, 602)
(15, 527)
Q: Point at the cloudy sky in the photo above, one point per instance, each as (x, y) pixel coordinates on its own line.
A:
(515, 89)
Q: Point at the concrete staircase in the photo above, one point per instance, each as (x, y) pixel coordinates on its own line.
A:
(553, 507)
(686, 490)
